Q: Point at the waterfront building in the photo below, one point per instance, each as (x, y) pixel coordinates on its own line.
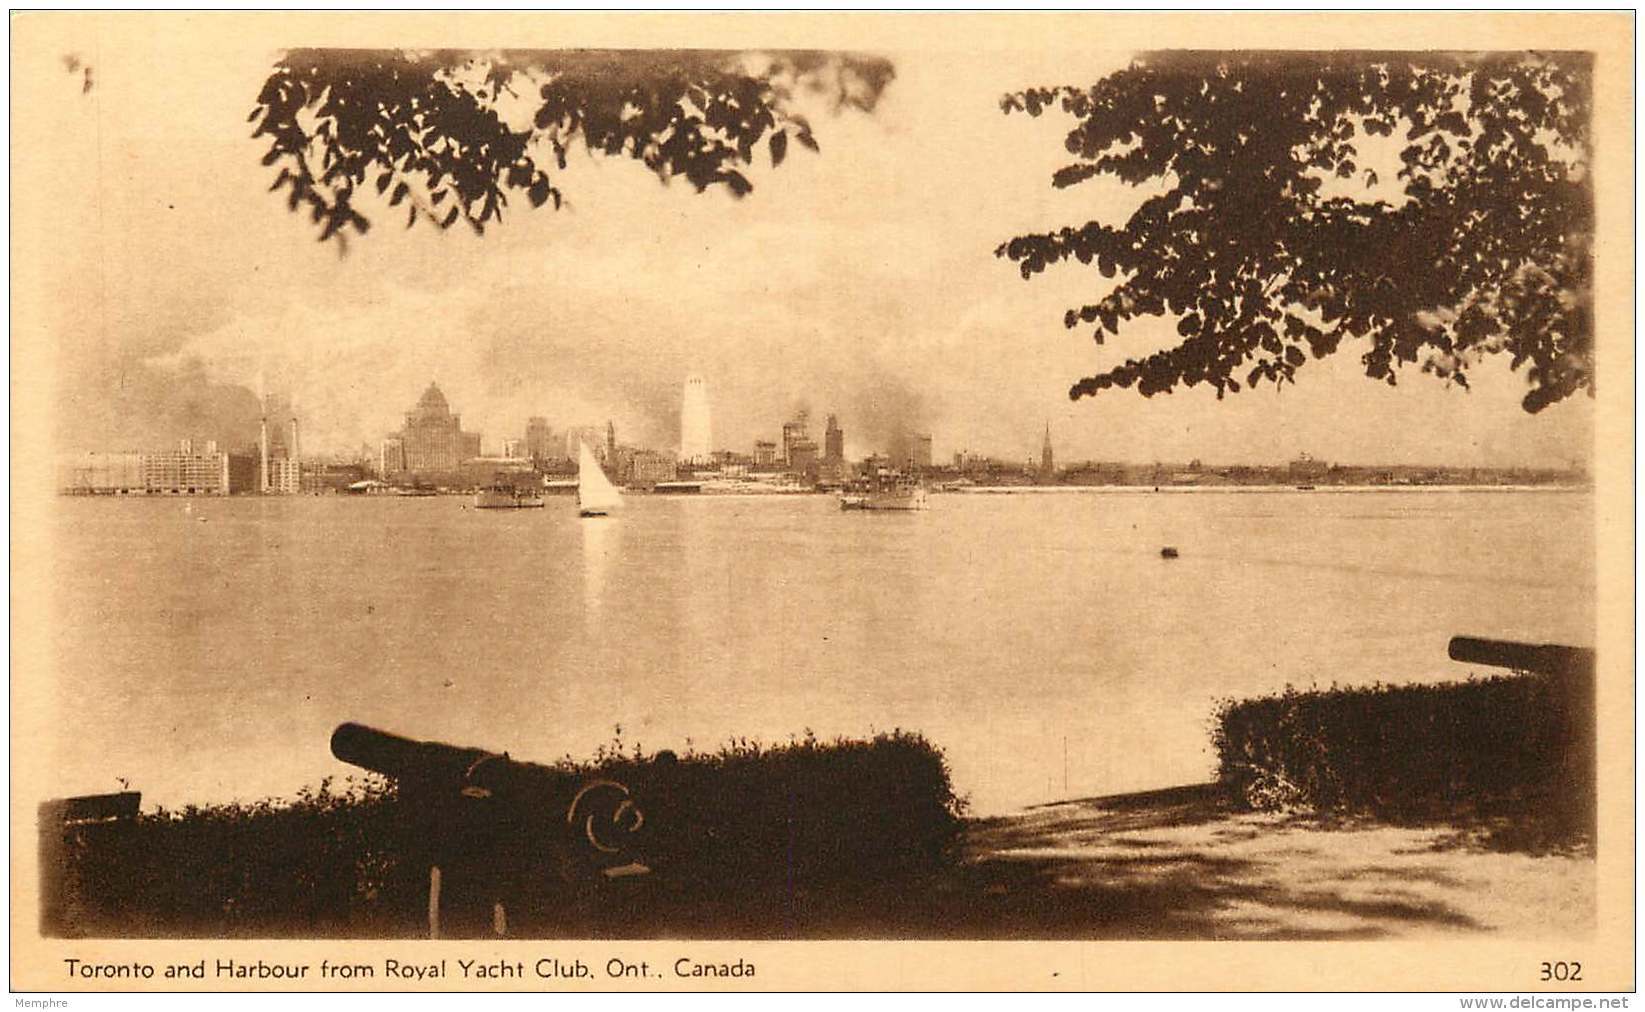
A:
(514, 448)
(646, 468)
(765, 454)
(696, 432)
(285, 476)
(244, 472)
(101, 474)
(186, 471)
(433, 441)
(802, 458)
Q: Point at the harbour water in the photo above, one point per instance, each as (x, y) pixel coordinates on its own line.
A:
(1040, 639)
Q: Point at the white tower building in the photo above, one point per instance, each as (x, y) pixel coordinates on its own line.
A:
(696, 432)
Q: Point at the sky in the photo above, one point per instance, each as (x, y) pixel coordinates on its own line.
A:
(859, 281)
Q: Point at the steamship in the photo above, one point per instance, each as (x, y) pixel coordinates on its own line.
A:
(885, 490)
(507, 497)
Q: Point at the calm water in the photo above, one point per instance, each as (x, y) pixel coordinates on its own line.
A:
(1038, 638)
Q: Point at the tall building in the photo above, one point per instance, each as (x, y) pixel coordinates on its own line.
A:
(696, 432)
(539, 439)
(795, 432)
(920, 452)
(391, 456)
(833, 442)
(1048, 466)
(910, 451)
(765, 453)
(433, 440)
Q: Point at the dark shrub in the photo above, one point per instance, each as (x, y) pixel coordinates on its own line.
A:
(1506, 746)
(749, 835)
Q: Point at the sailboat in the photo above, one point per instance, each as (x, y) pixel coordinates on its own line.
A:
(596, 496)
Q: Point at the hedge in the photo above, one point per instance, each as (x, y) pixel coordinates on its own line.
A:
(1514, 746)
(761, 834)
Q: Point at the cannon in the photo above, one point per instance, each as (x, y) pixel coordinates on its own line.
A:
(1537, 658)
(1570, 668)
(489, 824)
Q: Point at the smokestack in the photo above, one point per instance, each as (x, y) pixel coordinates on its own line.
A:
(262, 456)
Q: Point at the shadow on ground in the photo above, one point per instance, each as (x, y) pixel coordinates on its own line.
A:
(1179, 864)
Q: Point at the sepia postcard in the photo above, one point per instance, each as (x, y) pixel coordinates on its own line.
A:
(832, 502)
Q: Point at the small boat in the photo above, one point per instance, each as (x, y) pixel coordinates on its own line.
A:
(1168, 552)
(887, 490)
(678, 488)
(596, 496)
(507, 497)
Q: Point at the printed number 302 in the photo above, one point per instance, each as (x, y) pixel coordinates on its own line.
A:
(1561, 971)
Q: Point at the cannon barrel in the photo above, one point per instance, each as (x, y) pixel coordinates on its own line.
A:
(402, 758)
(1540, 658)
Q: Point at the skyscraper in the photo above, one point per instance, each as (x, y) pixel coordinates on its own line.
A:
(795, 433)
(538, 439)
(433, 440)
(696, 432)
(833, 442)
(1047, 462)
(919, 458)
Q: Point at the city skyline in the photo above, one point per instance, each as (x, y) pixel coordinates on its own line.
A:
(888, 307)
(542, 440)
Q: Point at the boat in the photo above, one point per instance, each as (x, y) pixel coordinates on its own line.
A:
(507, 497)
(1168, 552)
(885, 490)
(596, 496)
(678, 488)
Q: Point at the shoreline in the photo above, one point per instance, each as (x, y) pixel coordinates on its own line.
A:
(965, 490)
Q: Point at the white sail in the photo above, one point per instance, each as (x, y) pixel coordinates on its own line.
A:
(596, 495)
